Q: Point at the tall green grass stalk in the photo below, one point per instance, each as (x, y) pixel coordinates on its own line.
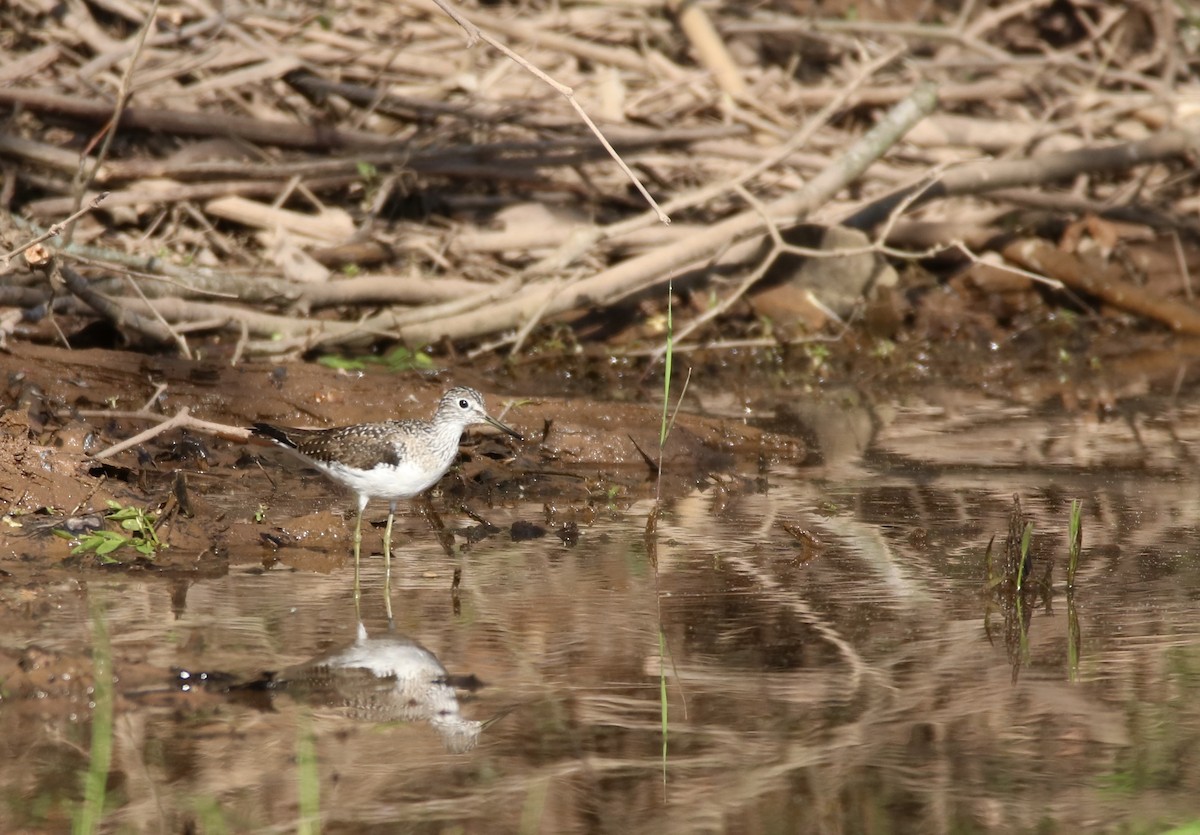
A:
(668, 364)
(1073, 639)
(90, 813)
(664, 430)
(1075, 543)
(308, 779)
(533, 809)
(668, 422)
(209, 816)
(662, 698)
(1026, 536)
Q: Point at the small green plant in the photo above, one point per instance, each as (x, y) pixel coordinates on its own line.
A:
(137, 532)
(883, 348)
(261, 513)
(818, 354)
(610, 496)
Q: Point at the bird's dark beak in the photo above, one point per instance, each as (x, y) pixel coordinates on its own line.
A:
(506, 429)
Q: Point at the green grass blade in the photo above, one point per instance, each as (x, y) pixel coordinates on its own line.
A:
(662, 699)
(1075, 541)
(668, 363)
(308, 780)
(90, 813)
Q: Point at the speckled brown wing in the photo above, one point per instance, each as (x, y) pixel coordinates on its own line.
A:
(361, 447)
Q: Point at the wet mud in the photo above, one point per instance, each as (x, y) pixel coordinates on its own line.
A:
(225, 496)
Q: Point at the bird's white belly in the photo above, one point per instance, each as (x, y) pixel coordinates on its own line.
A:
(385, 481)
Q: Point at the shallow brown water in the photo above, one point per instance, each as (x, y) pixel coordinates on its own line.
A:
(834, 661)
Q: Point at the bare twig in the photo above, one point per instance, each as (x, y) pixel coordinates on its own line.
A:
(85, 175)
(658, 266)
(154, 328)
(53, 231)
(180, 420)
(987, 176)
(474, 32)
(1106, 284)
(710, 49)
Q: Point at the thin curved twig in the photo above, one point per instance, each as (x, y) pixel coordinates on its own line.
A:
(475, 33)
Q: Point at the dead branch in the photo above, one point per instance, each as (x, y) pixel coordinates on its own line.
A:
(122, 316)
(656, 267)
(53, 232)
(710, 49)
(1106, 283)
(992, 175)
(180, 420)
(474, 32)
(189, 123)
(420, 147)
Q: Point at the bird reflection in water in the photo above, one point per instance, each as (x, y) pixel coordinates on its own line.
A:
(384, 679)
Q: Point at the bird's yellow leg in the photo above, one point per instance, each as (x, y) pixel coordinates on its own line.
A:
(357, 548)
(387, 563)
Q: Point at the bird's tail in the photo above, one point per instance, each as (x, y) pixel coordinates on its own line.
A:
(274, 433)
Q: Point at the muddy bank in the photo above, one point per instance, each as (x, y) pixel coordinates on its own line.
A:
(214, 493)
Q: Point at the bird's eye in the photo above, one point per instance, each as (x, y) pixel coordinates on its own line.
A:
(463, 404)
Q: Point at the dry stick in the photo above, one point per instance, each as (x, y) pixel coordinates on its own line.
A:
(119, 314)
(83, 176)
(1106, 284)
(266, 324)
(566, 150)
(180, 419)
(83, 180)
(240, 348)
(287, 332)
(590, 51)
(710, 49)
(1181, 262)
(199, 123)
(206, 283)
(55, 230)
(474, 33)
(657, 266)
(778, 247)
(180, 341)
(1067, 203)
(773, 158)
(982, 177)
(160, 193)
(159, 39)
(578, 243)
(479, 296)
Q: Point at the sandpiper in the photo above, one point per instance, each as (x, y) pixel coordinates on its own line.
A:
(393, 459)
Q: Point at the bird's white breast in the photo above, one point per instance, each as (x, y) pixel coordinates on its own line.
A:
(386, 481)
